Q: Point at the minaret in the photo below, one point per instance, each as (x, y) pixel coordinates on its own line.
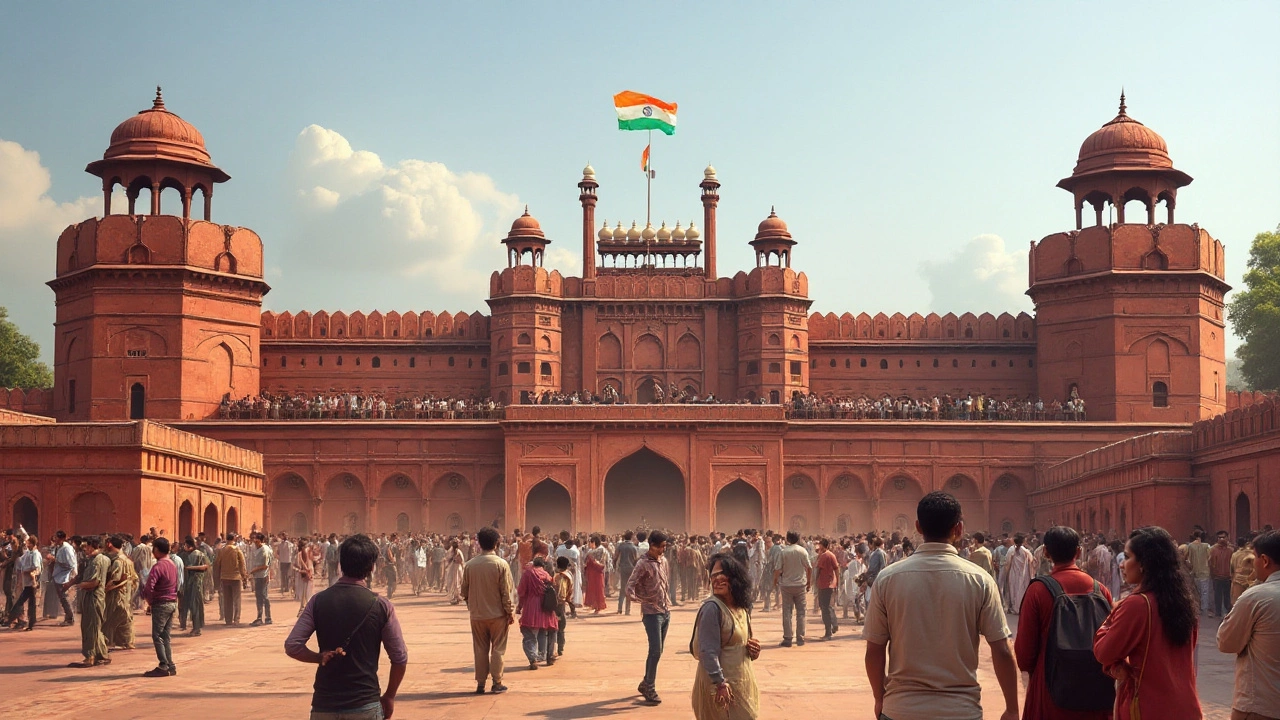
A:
(710, 198)
(587, 197)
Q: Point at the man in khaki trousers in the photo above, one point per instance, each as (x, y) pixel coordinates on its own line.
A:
(231, 571)
(488, 589)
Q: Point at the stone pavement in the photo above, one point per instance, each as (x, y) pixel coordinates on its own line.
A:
(243, 672)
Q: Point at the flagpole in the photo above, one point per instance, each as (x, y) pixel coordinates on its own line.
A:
(648, 197)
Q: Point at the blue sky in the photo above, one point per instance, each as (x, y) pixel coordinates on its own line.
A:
(381, 150)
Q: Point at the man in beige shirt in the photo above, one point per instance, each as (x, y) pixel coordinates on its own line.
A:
(1252, 632)
(231, 572)
(487, 588)
(980, 555)
(928, 611)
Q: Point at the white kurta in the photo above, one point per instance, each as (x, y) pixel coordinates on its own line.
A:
(1022, 570)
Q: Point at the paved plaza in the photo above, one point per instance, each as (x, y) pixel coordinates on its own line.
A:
(243, 672)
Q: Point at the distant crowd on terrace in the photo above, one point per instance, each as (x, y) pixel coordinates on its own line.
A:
(378, 406)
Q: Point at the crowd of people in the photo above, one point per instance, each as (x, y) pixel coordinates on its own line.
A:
(335, 405)
(969, 406)
(1146, 594)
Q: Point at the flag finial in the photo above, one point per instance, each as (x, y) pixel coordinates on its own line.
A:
(158, 104)
(1122, 105)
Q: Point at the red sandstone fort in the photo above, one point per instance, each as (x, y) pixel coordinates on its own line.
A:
(159, 319)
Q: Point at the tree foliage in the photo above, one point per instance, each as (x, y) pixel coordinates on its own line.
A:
(19, 358)
(1255, 314)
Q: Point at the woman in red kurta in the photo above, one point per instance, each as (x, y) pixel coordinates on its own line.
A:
(594, 576)
(1062, 546)
(1148, 642)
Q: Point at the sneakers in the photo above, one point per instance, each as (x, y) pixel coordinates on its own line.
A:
(157, 672)
(256, 623)
(650, 694)
(533, 666)
(480, 689)
(498, 689)
(785, 643)
(800, 640)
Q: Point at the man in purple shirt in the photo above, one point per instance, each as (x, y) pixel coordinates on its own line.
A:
(161, 592)
(352, 624)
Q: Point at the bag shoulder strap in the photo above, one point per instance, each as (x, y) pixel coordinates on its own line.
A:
(1142, 670)
(1055, 587)
(369, 611)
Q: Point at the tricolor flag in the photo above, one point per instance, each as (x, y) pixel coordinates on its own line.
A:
(637, 111)
(644, 159)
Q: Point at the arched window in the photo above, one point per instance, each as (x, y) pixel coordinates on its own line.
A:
(450, 361)
(522, 368)
(1159, 394)
(502, 369)
(339, 360)
(413, 362)
(545, 369)
(884, 364)
(862, 362)
(137, 402)
(377, 362)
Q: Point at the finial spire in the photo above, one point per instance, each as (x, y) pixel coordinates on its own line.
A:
(772, 211)
(526, 208)
(158, 104)
(1122, 106)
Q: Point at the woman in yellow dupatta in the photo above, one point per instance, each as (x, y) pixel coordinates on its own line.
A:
(725, 686)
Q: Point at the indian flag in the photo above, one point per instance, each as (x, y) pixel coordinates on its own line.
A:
(637, 111)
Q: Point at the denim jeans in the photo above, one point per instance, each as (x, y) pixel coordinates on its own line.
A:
(161, 620)
(559, 632)
(655, 627)
(261, 586)
(1204, 589)
(372, 711)
(534, 642)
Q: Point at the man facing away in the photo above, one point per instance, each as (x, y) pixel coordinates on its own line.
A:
(117, 623)
(259, 562)
(1197, 554)
(1062, 547)
(486, 588)
(193, 590)
(979, 555)
(161, 593)
(927, 611)
(1251, 630)
(351, 624)
(1020, 567)
(794, 576)
(648, 586)
(625, 562)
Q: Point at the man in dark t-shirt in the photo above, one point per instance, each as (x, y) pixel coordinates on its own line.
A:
(352, 624)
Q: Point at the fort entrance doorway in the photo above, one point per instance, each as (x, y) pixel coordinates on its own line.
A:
(548, 507)
(644, 489)
(739, 507)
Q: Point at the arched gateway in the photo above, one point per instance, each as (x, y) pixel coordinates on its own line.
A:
(644, 489)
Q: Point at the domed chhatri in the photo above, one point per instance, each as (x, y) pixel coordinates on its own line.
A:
(619, 233)
(709, 173)
(156, 150)
(691, 235)
(772, 227)
(648, 233)
(664, 233)
(605, 235)
(633, 235)
(677, 233)
(1124, 161)
(526, 226)
(1123, 143)
(588, 172)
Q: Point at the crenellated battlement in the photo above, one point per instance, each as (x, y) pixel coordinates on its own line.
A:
(949, 328)
(339, 326)
(1246, 422)
(159, 240)
(1128, 247)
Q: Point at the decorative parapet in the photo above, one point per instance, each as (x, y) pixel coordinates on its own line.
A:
(691, 413)
(1242, 423)
(949, 328)
(393, 326)
(1165, 443)
(13, 417)
(32, 400)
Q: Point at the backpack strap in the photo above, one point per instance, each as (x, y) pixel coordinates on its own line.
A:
(1055, 588)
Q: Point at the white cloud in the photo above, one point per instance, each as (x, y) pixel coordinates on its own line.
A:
(409, 235)
(30, 223)
(981, 276)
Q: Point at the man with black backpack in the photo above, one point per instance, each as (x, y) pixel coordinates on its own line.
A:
(1061, 612)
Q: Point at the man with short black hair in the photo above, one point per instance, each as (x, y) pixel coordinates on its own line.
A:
(352, 624)
(65, 568)
(648, 586)
(1062, 547)
(1251, 630)
(93, 581)
(230, 568)
(487, 589)
(197, 568)
(1220, 574)
(161, 593)
(625, 562)
(931, 669)
(259, 561)
(794, 577)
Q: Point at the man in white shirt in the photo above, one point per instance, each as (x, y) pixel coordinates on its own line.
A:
(1251, 630)
(927, 611)
(258, 560)
(284, 555)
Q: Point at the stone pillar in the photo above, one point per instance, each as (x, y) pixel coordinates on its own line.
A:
(588, 199)
(155, 198)
(315, 514)
(371, 515)
(106, 198)
(208, 203)
(710, 199)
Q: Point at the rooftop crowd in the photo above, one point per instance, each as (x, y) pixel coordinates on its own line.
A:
(1148, 592)
(336, 405)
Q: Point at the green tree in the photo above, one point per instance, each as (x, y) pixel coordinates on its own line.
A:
(1255, 314)
(19, 363)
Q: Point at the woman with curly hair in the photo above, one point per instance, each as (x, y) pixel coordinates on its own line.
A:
(725, 686)
(1148, 642)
